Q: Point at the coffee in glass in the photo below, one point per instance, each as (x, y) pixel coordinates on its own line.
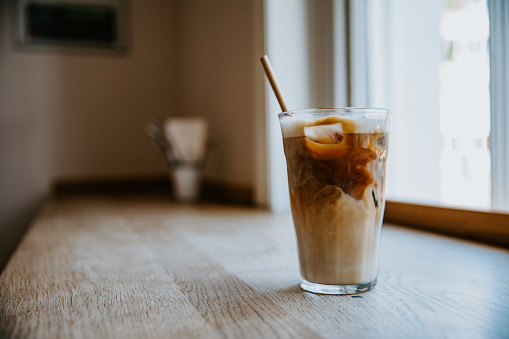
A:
(336, 174)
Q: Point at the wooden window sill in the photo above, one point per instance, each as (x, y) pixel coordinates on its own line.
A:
(487, 227)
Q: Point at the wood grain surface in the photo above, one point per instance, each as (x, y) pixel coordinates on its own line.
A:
(149, 268)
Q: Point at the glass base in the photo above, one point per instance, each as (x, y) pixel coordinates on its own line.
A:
(336, 289)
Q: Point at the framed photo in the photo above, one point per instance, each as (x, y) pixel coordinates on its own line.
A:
(78, 23)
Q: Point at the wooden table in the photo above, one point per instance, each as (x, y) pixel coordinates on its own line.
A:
(149, 268)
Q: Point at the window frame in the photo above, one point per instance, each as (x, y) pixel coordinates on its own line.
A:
(499, 87)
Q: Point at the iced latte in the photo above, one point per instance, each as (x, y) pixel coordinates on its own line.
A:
(336, 174)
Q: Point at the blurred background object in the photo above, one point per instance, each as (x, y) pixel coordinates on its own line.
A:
(185, 145)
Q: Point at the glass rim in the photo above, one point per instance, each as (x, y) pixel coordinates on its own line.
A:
(383, 112)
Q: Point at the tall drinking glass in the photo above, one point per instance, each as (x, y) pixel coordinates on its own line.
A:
(336, 174)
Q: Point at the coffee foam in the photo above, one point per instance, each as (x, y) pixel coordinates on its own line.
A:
(293, 127)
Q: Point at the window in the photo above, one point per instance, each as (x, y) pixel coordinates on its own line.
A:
(430, 62)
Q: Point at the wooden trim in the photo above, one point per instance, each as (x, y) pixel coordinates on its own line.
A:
(487, 227)
(216, 191)
(211, 190)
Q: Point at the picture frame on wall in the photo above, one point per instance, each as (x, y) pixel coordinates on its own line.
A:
(97, 24)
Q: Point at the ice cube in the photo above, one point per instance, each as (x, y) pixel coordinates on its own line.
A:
(325, 134)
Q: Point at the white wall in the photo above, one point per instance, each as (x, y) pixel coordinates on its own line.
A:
(218, 68)
(79, 114)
